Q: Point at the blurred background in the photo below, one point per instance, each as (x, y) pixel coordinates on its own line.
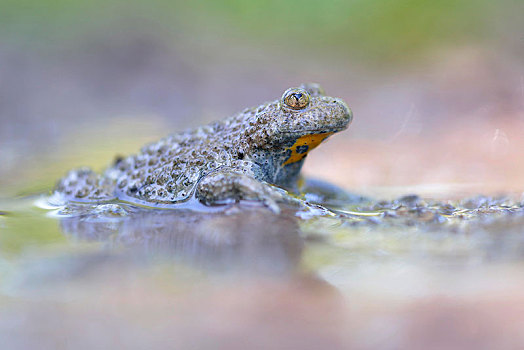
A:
(436, 87)
(437, 91)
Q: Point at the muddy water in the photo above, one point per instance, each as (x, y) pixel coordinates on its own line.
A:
(380, 273)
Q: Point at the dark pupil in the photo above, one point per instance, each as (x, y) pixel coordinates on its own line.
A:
(297, 96)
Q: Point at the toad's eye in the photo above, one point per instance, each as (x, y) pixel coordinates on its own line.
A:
(296, 98)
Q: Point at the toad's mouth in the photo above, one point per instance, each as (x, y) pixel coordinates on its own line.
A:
(303, 145)
(311, 132)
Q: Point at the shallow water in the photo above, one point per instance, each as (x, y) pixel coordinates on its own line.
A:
(126, 276)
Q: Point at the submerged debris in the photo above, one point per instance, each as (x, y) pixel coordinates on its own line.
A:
(412, 210)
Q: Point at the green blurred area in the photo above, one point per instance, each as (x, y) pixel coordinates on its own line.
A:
(27, 228)
(369, 29)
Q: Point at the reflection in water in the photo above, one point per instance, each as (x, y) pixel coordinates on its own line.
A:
(171, 278)
(249, 239)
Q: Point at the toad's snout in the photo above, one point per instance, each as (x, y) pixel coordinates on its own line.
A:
(345, 113)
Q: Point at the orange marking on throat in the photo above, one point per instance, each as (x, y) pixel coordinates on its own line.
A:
(311, 141)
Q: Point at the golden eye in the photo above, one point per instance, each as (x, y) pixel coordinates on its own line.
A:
(296, 98)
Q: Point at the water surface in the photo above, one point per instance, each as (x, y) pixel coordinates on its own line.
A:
(127, 276)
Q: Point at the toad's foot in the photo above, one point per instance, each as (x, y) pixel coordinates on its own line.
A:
(228, 186)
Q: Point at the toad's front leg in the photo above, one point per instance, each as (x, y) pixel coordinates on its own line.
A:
(228, 186)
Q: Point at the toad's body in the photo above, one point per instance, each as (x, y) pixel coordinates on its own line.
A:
(226, 161)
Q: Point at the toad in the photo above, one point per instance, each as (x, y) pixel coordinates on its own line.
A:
(252, 156)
